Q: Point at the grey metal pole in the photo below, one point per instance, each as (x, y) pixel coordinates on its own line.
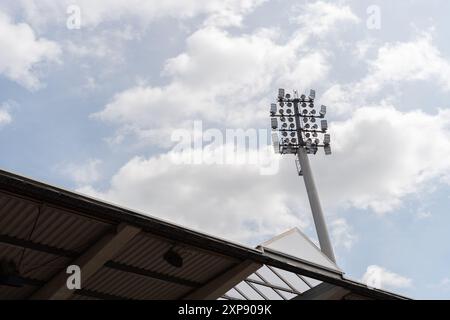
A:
(313, 196)
(316, 208)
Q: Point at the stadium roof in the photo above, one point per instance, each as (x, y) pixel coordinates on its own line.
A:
(44, 229)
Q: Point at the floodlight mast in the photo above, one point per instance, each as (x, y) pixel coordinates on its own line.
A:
(316, 208)
(301, 145)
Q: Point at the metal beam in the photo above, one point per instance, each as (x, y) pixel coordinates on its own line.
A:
(218, 286)
(273, 286)
(90, 262)
(36, 246)
(32, 282)
(151, 274)
(98, 295)
(324, 291)
(302, 267)
(258, 292)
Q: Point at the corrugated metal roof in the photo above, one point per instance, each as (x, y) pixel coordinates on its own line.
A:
(40, 223)
(13, 293)
(82, 297)
(132, 286)
(147, 252)
(33, 264)
(16, 216)
(53, 227)
(43, 229)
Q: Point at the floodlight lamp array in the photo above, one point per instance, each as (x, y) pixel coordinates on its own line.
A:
(297, 124)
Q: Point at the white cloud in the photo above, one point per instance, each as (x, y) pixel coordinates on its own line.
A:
(231, 13)
(5, 115)
(395, 63)
(378, 159)
(82, 174)
(362, 47)
(423, 215)
(106, 44)
(23, 52)
(232, 201)
(93, 13)
(381, 155)
(217, 76)
(378, 153)
(342, 234)
(380, 278)
(319, 18)
(409, 61)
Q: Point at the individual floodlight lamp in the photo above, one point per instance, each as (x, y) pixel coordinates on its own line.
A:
(275, 142)
(274, 123)
(323, 111)
(273, 109)
(302, 136)
(324, 125)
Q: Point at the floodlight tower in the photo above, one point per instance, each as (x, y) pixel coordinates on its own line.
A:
(296, 130)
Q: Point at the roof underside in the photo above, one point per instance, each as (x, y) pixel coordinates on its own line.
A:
(44, 229)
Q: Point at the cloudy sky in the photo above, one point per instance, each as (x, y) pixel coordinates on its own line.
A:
(93, 107)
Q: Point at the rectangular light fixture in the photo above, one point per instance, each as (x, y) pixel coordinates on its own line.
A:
(280, 93)
(324, 125)
(273, 109)
(323, 111)
(326, 139)
(274, 123)
(312, 94)
(327, 149)
(275, 142)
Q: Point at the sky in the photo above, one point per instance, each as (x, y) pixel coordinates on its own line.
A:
(136, 102)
